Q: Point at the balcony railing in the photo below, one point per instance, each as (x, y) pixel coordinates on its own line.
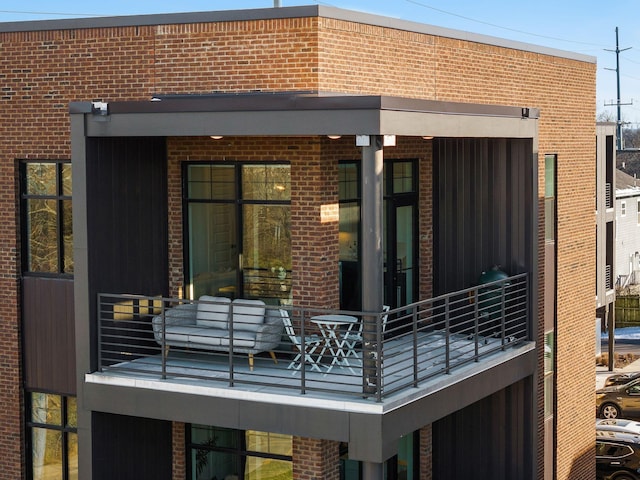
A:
(383, 352)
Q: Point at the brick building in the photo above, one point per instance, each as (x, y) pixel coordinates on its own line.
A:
(317, 162)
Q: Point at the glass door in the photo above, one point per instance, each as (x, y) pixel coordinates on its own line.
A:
(400, 227)
(399, 284)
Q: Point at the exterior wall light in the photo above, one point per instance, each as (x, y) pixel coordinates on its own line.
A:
(334, 137)
(216, 137)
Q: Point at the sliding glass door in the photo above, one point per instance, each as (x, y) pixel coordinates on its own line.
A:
(238, 224)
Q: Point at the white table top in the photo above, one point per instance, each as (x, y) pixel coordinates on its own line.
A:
(334, 319)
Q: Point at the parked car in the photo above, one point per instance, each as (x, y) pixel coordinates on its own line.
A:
(618, 425)
(619, 400)
(617, 455)
(621, 378)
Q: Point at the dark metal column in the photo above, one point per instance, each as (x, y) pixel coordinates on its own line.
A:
(372, 261)
(372, 471)
(372, 272)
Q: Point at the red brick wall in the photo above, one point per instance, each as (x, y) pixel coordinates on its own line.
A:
(315, 459)
(178, 445)
(41, 72)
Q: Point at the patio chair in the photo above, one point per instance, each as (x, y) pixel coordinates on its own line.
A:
(353, 336)
(305, 348)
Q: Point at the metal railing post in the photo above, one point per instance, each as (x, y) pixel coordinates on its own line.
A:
(99, 332)
(503, 325)
(414, 321)
(476, 326)
(163, 344)
(303, 340)
(231, 379)
(447, 348)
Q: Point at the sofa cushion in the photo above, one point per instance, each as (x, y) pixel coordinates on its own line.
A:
(179, 334)
(206, 337)
(213, 312)
(241, 339)
(248, 315)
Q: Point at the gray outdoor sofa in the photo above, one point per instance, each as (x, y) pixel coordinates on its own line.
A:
(206, 325)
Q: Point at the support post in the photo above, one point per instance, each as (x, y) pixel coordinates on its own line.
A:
(372, 471)
(372, 258)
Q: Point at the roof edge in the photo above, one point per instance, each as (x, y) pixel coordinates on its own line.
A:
(286, 12)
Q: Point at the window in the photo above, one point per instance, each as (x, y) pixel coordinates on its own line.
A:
(52, 437)
(226, 453)
(46, 217)
(239, 230)
(623, 208)
(616, 450)
(638, 212)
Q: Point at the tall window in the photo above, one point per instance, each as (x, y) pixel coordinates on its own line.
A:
(244, 455)
(349, 236)
(239, 230)
(46, 217)
(52, 436)
(550, 306)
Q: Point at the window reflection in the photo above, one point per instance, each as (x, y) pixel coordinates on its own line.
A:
(52, 434)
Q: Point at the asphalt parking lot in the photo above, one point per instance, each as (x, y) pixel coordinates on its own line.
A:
(621, 346)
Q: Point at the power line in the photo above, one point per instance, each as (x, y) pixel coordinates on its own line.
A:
(502, 27)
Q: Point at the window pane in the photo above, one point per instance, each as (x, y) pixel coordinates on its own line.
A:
(207, 465)
(72, 455)
(67, 235)
(215, 437)
(348, 181)
(213, 249)
(266, 182)
(349, 226)
(42, 178)
(211, 182)
(46, 454)
(268, 469)
(549, 176)
(46, 408)
(405, 457)
(66, 179)
(265, 442)
(72, 412)
(267, 251)
(42, 234)
(402, 177)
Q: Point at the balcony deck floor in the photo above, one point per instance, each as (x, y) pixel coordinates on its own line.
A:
(187, 370)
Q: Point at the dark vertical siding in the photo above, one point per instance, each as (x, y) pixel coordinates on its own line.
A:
(126, 218)
(482, 209)
(48, 333)
(490, 439)
(130, 448)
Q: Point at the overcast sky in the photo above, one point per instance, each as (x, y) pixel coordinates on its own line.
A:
(586, 27)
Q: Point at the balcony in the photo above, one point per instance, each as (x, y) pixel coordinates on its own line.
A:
(397, 350)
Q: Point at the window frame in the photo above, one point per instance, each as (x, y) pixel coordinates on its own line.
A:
(225, 449)
(59, 197)
(240, 203)
(64, 428)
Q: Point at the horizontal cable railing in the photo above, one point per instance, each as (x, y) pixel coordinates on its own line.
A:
(246, 344)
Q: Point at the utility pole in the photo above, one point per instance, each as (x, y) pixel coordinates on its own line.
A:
(618, 103)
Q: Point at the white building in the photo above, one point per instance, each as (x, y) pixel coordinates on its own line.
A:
(627, 251)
